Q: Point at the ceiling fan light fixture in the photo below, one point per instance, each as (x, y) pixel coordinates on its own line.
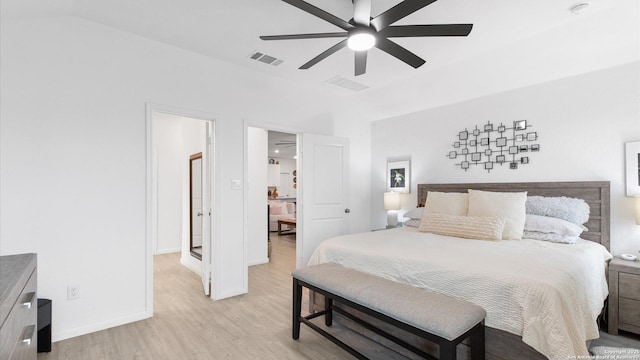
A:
(361, 41)
(363, 32)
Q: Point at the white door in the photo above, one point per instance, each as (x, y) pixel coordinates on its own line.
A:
(206, 210)
(324, 189)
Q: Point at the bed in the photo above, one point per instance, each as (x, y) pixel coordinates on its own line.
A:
(542, 298)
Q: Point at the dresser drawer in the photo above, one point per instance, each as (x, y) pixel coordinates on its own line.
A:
(629, 311)
(629, 286)
(20, 325)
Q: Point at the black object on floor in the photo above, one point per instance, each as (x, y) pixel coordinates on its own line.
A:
(44, 325)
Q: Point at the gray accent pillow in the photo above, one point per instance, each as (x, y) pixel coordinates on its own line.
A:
(557, 238)
(561, 207)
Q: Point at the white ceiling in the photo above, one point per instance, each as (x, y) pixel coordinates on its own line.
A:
(284, 143)
(229, 31)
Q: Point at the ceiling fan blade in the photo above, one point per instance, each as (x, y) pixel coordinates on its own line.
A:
(361, 62)
(427, 30)
(304, 36)
(397, 12)
(362, 12)
(399, 52)
(324, 54)
(317, 12)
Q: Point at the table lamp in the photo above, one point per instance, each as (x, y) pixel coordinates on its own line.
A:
(391, 204)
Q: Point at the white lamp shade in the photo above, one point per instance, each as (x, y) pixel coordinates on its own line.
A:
(391, 201)
(637, 210)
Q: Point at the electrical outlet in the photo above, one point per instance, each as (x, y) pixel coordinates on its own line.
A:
(73, 292)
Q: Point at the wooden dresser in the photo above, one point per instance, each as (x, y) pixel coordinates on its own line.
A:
(624, 296)
(18, 307)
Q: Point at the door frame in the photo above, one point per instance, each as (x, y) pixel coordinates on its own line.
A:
(299, 203)
(151, 194)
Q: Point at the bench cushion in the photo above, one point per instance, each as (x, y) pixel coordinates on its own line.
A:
(436, 314)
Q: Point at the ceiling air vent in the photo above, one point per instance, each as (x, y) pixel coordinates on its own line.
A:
(267, 59)
(346, 83)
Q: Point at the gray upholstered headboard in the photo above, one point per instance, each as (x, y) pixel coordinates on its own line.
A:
(595, 193)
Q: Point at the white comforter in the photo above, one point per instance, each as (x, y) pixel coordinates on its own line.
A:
(548, 293)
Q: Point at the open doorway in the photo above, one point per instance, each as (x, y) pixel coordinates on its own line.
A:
(180, 192)
(282, 195)
(272, 197)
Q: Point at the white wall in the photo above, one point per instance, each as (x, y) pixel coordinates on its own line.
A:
(73, 97)
(357, 128)
(257, 149)
(167, 133)
(287, 166)
(582, 123)
(193, 134)
(175, 139)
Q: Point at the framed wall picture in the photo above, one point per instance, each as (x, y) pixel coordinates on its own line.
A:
(399, 176)
(633, 168)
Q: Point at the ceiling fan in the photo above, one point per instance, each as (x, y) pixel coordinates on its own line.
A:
(286, 143)
(363, 32)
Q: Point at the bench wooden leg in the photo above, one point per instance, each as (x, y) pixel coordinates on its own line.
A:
(297, 309)
(477, 342)
(447, 351)
(328, 307)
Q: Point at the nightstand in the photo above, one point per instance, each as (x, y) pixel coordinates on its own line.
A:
(624, 296)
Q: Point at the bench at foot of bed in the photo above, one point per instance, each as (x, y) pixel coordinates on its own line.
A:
(441, 319)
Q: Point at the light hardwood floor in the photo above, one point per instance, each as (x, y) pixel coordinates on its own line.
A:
(187, 325)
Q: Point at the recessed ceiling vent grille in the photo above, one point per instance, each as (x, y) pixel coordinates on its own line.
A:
(267, 59)
(346, 83)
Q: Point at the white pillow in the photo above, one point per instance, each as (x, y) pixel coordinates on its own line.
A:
(546, 224)
(415, 213)
(447, 203)
(470, 227)
(281, 205)
(507, 205)
(275, 210)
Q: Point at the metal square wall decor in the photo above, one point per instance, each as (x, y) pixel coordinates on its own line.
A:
(490, 145)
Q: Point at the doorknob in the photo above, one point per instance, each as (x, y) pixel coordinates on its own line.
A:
(199, 213)
(347, 210)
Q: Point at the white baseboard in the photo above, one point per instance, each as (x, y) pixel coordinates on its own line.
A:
(258, 262)
(230, 293)
(167, 251)
(71, 333)
(193, 265)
